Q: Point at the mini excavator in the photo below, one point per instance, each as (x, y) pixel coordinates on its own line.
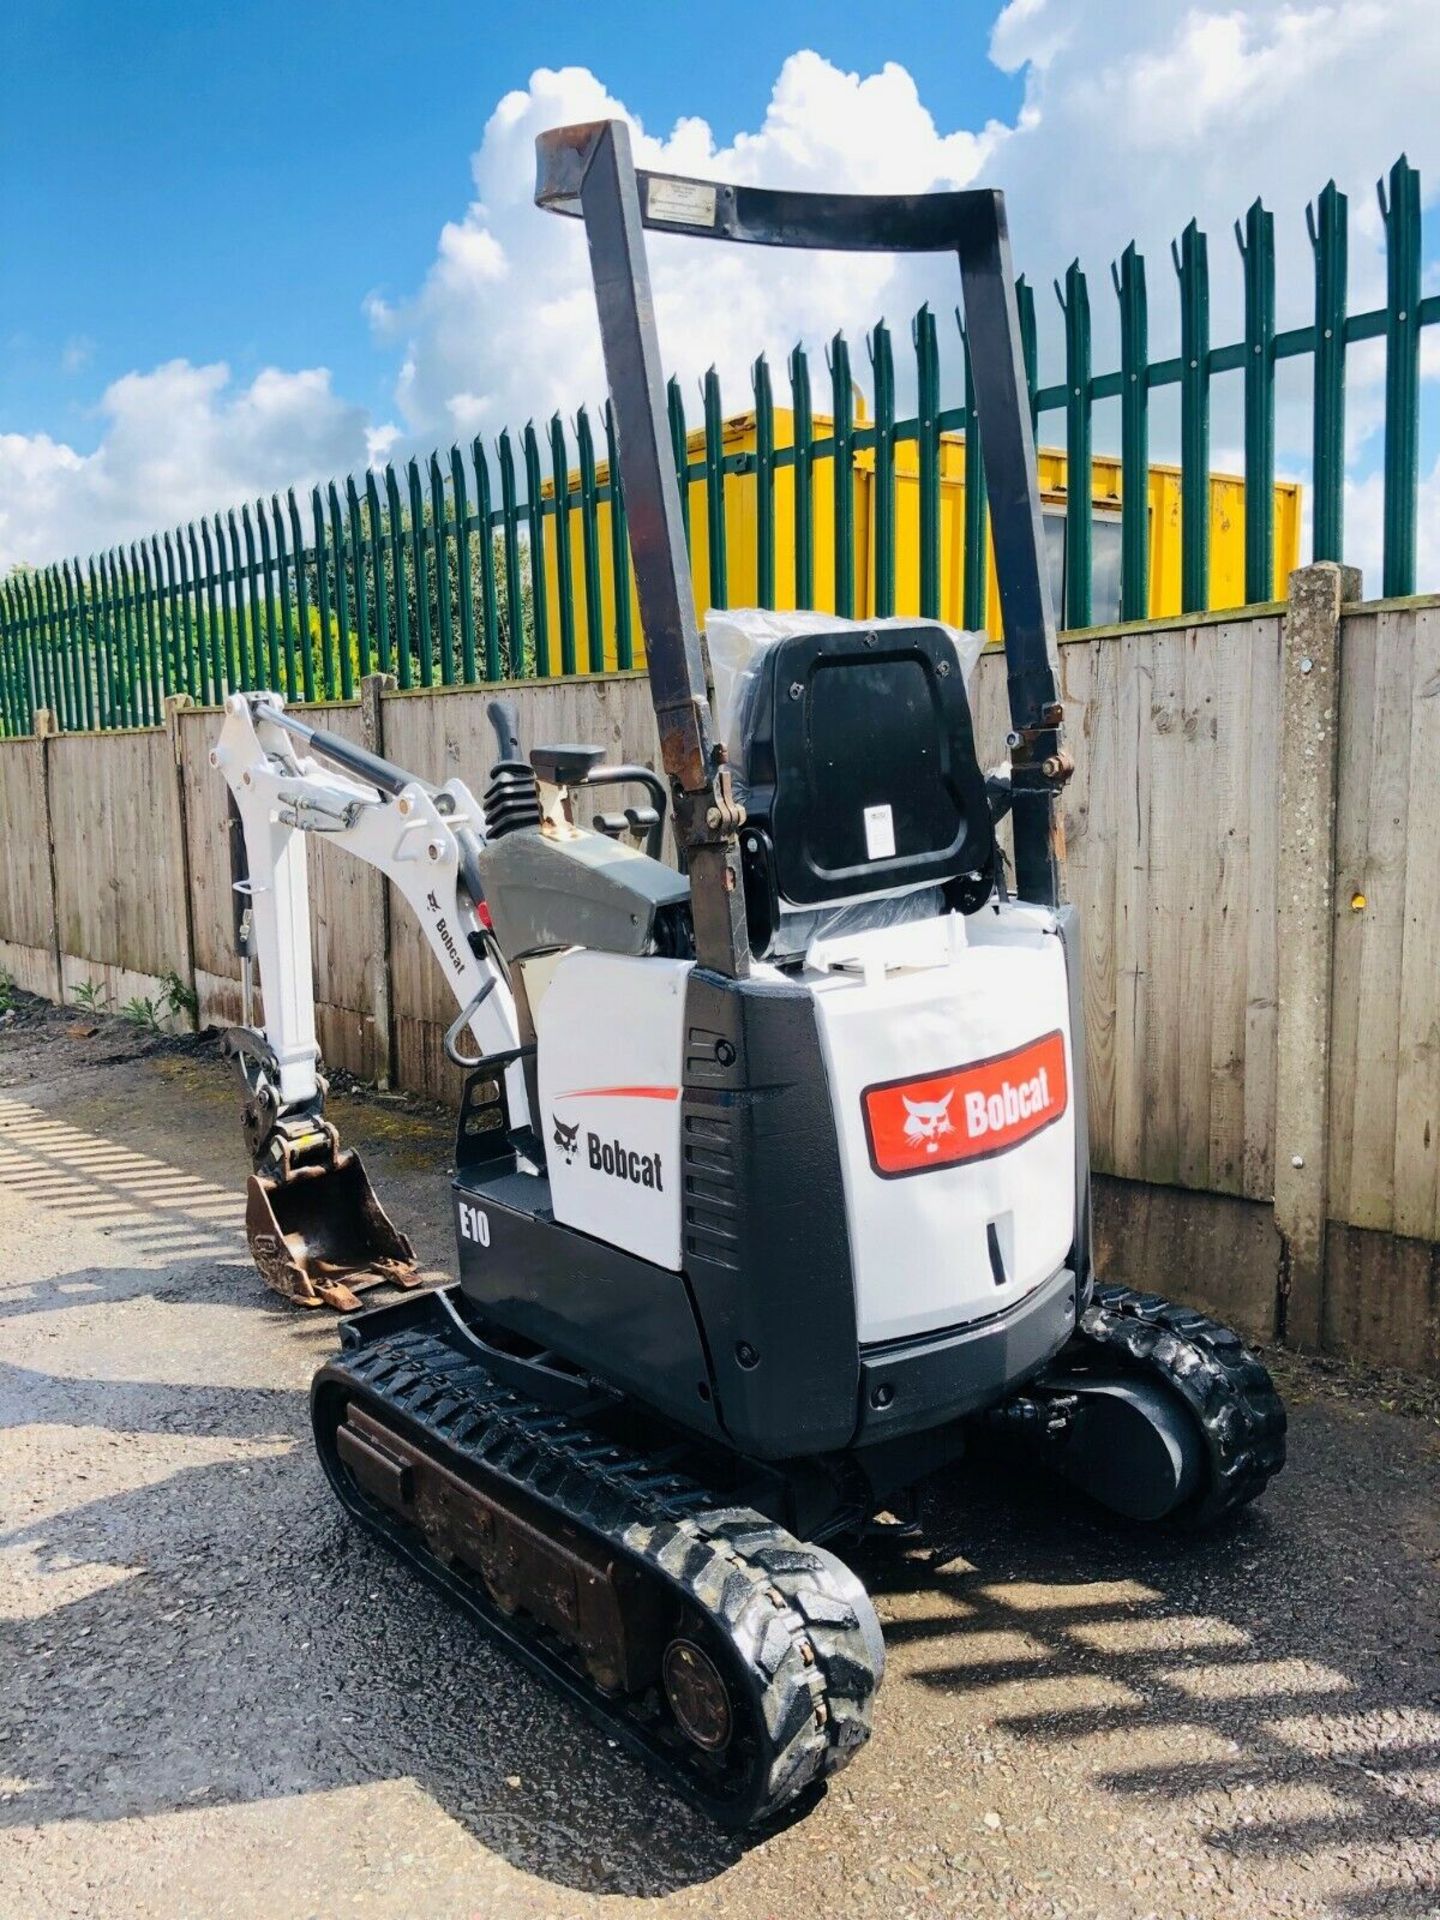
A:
(764, 1216)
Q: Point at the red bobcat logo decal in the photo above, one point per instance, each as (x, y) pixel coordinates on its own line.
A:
(966, 1113)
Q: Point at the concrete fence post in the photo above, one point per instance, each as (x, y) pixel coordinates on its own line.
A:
(179, 840)
(373, 688)
(1310, 670)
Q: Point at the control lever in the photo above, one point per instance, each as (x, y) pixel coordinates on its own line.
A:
(506, 722)
(633, 824)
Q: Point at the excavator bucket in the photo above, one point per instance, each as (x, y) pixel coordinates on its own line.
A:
(319, 1235)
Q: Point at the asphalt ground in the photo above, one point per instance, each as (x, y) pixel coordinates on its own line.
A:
(217, 1699)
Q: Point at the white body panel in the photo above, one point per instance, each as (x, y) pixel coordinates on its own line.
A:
(953, 992)
(956, 1209)
(893, 1004)
(611, 1033)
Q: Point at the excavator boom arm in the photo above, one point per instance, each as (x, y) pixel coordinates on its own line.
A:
(421, 838)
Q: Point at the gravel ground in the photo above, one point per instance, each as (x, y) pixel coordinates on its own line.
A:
(217, 1700)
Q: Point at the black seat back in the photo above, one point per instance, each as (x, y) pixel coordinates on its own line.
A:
(860, 768)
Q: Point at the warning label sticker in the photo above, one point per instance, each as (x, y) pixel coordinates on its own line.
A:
(879, 833)
(966, 1113)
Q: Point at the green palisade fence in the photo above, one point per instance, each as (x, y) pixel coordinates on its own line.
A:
(438, 573)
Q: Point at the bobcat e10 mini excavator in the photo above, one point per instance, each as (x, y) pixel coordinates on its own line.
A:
(763, 1215)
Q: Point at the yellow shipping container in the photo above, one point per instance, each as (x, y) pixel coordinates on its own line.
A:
(1227, 537)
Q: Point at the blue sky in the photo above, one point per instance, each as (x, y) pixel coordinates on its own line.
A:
(230, 182)
(249, 245)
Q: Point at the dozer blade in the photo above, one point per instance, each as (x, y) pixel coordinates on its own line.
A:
(320, 1237)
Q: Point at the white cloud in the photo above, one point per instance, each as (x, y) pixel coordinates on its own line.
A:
(503, 328)
(1029, 33)
(77, 353)
(1189, 109)
(1199, 110)
(177, 442)
(1365, 522)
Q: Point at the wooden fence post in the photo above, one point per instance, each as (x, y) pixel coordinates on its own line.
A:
(179, 837)
(372, 715)
(46, 729)
(1310, 675)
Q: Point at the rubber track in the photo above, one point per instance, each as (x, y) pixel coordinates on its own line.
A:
(1210, 1367)
(799, 1622)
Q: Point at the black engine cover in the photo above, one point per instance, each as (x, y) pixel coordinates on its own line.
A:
(766, 1248)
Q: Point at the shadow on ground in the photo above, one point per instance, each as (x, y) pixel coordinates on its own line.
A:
(1272, 1692)
(260, 1647)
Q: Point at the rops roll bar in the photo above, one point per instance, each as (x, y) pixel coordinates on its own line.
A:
(588, 171)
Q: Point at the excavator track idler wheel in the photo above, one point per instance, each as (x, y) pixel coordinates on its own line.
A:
(697, 1695)
(1209, 1368)
(1156, 1411)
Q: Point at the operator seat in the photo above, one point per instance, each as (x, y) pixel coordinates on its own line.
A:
(857, 766)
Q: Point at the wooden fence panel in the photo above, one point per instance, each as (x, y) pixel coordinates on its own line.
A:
(119, 878)
(990, 707)
(27, 902)
(1262, 914)
(217, 971)
(1172, 830)
(1172, 821)
(1417, 1080)
(1385, 1022)
(1090, 830)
